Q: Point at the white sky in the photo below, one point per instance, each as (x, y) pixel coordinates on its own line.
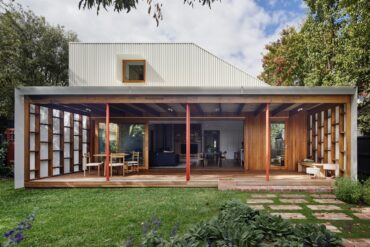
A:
(236, 30)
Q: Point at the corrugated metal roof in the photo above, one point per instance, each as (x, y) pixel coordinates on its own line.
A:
(131, 90)
(167, 65)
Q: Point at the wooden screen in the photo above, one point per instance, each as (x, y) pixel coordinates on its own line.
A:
(56, 141)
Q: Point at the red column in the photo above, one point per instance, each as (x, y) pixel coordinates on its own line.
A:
(187, 142)
(107, 153)
(268, 145)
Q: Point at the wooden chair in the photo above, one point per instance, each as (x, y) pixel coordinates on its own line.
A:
(117, 160)
(134, 163)
(221, 158)
(86, 163)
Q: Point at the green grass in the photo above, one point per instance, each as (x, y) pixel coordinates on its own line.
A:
(105, 217)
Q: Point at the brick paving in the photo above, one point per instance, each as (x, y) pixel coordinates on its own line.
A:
(285, 207)
(331, 216)
(328, 201)
(291, 216)
(323, 207)
(259, 201)
(293, 201)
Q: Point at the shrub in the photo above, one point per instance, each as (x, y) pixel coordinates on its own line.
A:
(366, 192)
(348, 190)
(239, 225)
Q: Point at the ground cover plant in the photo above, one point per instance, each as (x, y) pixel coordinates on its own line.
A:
(239, 225)
(352, 191)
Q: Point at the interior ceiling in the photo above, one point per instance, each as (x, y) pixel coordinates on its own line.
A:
(178, 109)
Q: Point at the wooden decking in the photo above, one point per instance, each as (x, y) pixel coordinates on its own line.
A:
(223, 180)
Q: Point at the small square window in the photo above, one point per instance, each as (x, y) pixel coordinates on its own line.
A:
(133, 70)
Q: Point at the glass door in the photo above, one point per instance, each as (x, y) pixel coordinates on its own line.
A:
(278, 142)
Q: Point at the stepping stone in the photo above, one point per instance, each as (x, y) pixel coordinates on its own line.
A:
(323, 207)
(331, 228)
(259, 201)
(293, 196)
(365, 210)
(290, 216)
(294, 201)
(257, 206)
(263, 195)
(285, 207)
(332, 216)
(331, 196)
(358, 242)
(362, 216)
(328, 201)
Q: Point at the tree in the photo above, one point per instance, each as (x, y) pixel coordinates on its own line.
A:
(32, 53)
(332, 48)
(154, 7)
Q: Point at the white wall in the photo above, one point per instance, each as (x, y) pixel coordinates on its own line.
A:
(231, 135)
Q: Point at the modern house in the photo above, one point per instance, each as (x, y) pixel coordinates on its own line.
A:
(184, 110)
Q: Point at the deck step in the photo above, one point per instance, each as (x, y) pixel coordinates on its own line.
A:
(271, 186)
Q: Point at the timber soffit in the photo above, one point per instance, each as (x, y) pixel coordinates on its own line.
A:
(186, 91)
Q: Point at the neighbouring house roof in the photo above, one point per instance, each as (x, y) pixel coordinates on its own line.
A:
(134, 90)
(167, 65)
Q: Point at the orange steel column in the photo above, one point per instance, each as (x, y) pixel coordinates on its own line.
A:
(268, 145)
(187, 142)
(107, 154)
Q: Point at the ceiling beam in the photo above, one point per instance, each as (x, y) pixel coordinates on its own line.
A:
(299, 108)
(129, 109)
(147, 109)
(281, 108)
(198, 108)
(321, 107)
(167, 108)
(259, 109)
(239, 109)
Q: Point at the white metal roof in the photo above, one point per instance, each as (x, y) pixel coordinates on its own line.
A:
(167, 65)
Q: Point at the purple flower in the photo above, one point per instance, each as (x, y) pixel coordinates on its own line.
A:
(8, 233)
(18, 238)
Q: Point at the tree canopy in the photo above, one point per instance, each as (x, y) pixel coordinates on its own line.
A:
(32, 53)
(154, 6)
(331, 48)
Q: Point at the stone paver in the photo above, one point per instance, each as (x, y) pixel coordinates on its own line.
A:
(285, 207)
(295, 216)
(359, 242)
(263, 195)
(331, 216)
(323, 207)
(362, 216)
(331, 228)
(365, 210)
(292, 196)
(328, 201)
(257, 206)
(297, 200)
(331, 196)
(259, 201)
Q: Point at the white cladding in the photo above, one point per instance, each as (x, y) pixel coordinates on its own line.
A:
(167, 64)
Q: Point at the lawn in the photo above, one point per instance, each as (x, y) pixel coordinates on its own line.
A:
(105, 217)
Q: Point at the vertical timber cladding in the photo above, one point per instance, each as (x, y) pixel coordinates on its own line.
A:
(255, 145)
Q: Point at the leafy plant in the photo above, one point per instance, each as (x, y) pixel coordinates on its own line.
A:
(239, 225)
(366, 191)
(16, 235)
(348, 190)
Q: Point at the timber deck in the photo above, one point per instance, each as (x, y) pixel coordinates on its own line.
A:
(223, 180)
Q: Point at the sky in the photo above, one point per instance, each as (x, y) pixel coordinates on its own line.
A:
(235, 30)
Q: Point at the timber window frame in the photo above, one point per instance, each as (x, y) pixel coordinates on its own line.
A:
(125, 76)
